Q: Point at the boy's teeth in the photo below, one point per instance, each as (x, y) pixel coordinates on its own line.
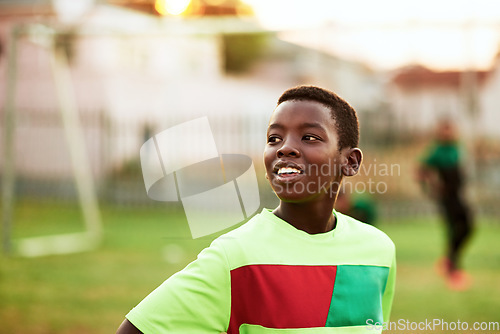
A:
(288, 170)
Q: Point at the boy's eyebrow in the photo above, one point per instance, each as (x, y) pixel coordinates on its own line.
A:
(313, 125)
(303, 125)
(275, 126)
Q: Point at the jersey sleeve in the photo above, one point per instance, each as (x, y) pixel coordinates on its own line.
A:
(388, 295)
(195, 300)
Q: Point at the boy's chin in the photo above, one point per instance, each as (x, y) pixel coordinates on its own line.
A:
(297, 197)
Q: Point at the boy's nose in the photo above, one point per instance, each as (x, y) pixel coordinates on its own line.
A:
(287, 149)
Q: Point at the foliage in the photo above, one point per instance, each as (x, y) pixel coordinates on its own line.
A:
(242, 50)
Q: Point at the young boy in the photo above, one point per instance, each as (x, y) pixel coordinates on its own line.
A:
(301, 268)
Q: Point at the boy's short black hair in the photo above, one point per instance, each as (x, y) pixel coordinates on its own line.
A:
(346, 120)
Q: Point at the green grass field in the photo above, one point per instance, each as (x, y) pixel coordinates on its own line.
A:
(91, 292)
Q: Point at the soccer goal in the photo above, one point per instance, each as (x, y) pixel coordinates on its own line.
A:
(81, 170)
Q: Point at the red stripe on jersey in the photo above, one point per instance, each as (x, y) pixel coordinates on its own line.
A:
(281, 296)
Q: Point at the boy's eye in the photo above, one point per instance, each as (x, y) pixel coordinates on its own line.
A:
(310, 138)
(273, 139)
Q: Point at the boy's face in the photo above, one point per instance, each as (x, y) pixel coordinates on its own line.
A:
(302, 157)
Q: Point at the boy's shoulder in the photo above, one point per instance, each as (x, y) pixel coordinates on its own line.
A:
(261, 226)
(253, 228)
(355, 226)
(368, 243)
(265, 239)
(265, 233)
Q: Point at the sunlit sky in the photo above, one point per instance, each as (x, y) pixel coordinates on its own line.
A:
(441, 34)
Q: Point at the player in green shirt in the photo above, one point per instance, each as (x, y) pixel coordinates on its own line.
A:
(442, 177)
(300, 268)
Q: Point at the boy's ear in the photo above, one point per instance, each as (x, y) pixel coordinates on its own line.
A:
(354, 156)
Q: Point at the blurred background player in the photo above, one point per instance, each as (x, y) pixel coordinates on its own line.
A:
(360, 206)
(441, 175)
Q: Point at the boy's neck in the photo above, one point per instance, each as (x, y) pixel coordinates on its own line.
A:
(312, 217)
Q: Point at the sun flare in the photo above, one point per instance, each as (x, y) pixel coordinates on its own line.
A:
(171, 7)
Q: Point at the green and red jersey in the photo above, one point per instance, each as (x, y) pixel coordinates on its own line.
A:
(269, 277)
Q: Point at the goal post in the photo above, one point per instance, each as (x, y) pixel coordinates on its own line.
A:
(81, 169)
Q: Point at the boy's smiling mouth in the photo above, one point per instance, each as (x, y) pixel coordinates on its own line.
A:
(287, 171)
